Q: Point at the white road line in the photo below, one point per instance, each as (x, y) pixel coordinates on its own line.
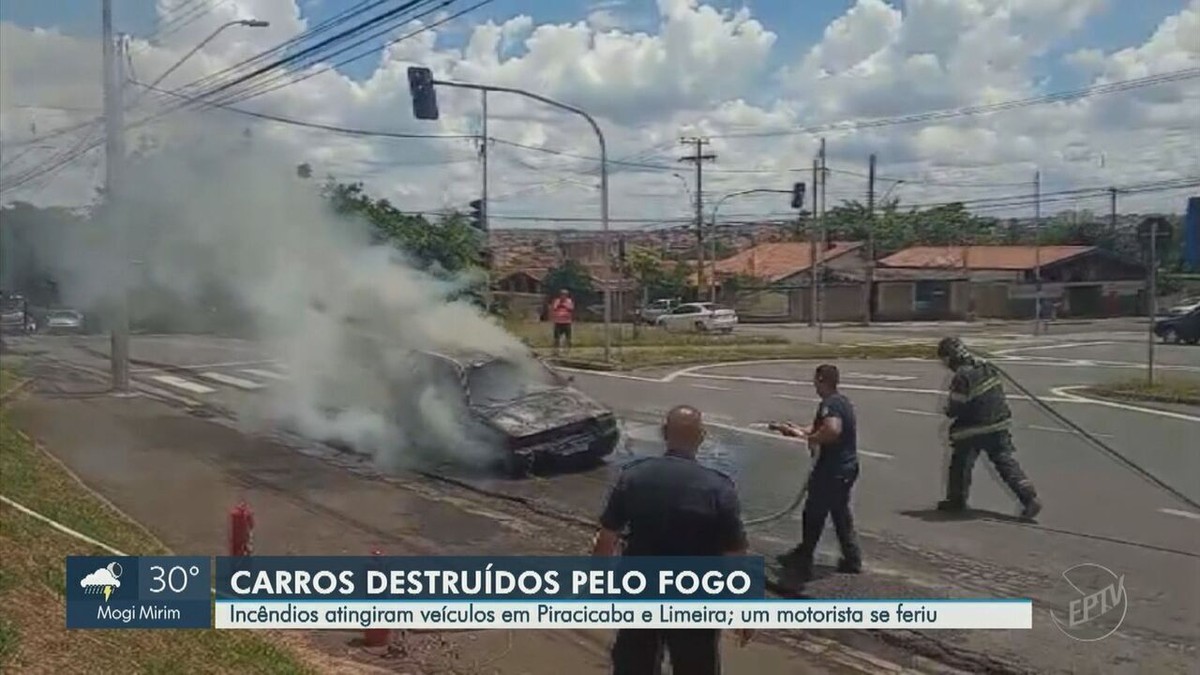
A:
(269, 374)
(709, 387)
(870, 376)
(186, 385)
(1067, 395)
(926, 413)
(231, 380)
(225, 364)
(1067, 345)
(1037, 427)
(1182, 514)
(789, 397)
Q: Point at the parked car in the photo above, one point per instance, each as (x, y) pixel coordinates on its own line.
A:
(1183, 307)
(699, 316)
(1180, 328)
(532, 411)
(64, 321)
(15, 316)
(650, 313)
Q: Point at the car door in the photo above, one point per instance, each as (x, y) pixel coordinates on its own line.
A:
(684, 317)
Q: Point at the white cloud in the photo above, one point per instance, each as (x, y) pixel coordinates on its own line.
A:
(698, 69)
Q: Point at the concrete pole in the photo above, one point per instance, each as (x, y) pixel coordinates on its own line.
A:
(114, 158)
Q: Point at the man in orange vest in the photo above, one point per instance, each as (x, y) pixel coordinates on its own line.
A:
(562, 313)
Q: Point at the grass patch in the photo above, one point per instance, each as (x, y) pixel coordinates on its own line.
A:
(1164, 390)
(33, 637)
(540, 334)
(642, 357)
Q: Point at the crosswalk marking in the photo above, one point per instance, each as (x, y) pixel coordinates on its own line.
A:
(181, 383)
(269, 374)
(231, 380)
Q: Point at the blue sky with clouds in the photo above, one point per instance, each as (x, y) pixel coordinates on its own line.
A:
(651, 74)
(798, 24)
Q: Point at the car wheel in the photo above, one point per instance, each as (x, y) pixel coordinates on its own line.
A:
(1171, 336)
(700, 327)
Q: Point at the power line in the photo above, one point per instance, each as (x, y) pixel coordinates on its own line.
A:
(964, 111)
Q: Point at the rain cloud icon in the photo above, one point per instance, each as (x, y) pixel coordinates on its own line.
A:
(103, 580)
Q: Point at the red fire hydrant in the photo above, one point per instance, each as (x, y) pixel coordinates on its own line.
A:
(241, 530)
(376, 637)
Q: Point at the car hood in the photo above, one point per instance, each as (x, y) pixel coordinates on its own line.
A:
(543, 410)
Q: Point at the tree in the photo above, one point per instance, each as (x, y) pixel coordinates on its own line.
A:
(655, 276)
(574, 278)
(445, 247)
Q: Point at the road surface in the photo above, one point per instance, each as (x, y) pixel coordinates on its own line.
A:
(1097, 511)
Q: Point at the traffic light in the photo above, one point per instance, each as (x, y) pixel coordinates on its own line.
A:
(798, 196)
(424, 96)
(621, 250)
(477, 216)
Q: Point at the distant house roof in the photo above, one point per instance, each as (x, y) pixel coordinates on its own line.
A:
(1015, 258)
(780, 260)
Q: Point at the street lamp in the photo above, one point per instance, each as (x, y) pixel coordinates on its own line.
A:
(716, 207)
(248, 23)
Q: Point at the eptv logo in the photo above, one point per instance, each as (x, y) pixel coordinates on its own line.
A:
(1100, 607)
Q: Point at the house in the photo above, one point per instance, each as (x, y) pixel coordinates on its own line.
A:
(783, 271)
(942, 282)
(525, 293)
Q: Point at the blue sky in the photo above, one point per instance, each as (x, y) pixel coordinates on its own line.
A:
(798, 24)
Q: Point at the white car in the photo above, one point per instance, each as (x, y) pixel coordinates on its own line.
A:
(699, 316)
(1186, 305)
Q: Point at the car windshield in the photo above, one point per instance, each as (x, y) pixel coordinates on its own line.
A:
(502, 381)
(63, 314)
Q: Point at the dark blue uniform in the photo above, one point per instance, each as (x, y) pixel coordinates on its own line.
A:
(672, 505)
(829, 487)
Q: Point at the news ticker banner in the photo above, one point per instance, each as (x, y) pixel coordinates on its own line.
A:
(461, 593)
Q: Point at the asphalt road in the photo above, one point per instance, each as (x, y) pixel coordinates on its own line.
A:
(1097, 511)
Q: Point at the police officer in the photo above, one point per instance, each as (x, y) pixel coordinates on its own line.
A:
(980, 423)
(671, 505)
(834, 438)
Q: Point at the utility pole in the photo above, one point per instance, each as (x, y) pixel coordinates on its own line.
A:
(1037, 251)
(1112, 211)
(1152, 305)
(812, 237)
(487, 227)
(114, 158)
(869, 287)
(699, 157)
(819, 250)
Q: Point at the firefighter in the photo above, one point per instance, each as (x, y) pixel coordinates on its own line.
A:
(980, 422)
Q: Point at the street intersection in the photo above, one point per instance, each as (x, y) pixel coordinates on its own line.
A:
(1097, 511)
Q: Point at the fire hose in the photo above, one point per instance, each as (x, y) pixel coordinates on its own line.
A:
(798, 500)
(1096, 442)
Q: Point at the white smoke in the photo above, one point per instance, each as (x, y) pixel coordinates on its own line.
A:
(343, 316)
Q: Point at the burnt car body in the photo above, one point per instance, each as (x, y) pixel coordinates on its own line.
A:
(533, 412)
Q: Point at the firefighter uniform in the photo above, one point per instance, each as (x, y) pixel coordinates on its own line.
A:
(981, 422)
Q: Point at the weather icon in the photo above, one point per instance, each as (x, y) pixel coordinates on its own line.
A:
(103, 580)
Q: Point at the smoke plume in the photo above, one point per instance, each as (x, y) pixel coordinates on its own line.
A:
(342, 315)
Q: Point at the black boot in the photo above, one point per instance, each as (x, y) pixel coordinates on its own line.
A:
(952, 505)
(1031, 508)
(797, 563)
(849, 566)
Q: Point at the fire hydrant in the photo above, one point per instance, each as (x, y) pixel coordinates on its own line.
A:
(376, 637)
(241, 530)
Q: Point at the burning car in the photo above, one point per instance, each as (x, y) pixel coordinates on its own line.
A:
(532, 411)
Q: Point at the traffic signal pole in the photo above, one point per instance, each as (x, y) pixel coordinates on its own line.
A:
(421, 84)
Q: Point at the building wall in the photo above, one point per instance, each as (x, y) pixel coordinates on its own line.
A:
(895, 300)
